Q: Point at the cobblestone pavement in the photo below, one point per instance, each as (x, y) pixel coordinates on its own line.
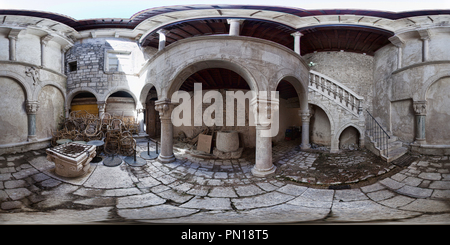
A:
(194, 190)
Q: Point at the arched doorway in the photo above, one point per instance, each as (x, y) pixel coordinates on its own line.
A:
(122, 104)
(349, 138)
(290, 121)
(152, 122)
(320, 126)
(84, 101)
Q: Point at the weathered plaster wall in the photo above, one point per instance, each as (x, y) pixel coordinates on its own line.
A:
(320, 128)
(51, 108)
(438, 112)
(420, 77)
(402, 120)
(13, 119)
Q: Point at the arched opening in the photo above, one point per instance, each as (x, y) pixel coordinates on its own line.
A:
(152, 122)
(51, 111)
(223, 81)
(320, 127)
(349, 138)
(121, 104)
(289, 119)
(13, 119)
(437, 131)
(84, 101)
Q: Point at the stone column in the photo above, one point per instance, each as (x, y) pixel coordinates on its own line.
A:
(425, 36)
(101, 108)
(32, 108)
(263, 155)
(162, 38)
(13, 34)
(420, 109)
(235, 26)
(165, 107)
(44, 41)
(399, 43)
(297, 36)
(305, 115)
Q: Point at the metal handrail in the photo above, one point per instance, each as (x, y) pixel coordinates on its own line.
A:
(385, 138)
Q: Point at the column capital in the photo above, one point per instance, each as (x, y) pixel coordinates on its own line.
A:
(101, 105)
(45, 39)
(31, 107)
(424, 34)
(266, 106)
(397, 41)
(162, 31)
(235, 20)
(164, 107)
(420, 107)
(297, 34)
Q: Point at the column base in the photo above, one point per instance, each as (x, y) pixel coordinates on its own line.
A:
(263, 172)
(32, 138)
(305, 146)
(166, 159)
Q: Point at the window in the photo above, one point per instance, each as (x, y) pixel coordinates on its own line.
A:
(72, 66)
(118, 61)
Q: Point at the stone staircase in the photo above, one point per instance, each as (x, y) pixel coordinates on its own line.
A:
(345, 106)
(383, 143)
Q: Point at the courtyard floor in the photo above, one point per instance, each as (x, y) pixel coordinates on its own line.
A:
(309, 187)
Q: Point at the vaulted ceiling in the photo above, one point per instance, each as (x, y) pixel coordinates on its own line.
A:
(321, 38)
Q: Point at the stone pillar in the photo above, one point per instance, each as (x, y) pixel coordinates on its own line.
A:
(297, 36)
(235, 26)
(162, 38)
(32, 108)
(420, 109)
(165, 107)
(399, 43)
(101, 108)
(13, 34)
(425, 36)
(263, 155)
(305, 115)
(44, 41)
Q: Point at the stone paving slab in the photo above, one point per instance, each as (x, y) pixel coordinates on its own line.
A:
(197, 191)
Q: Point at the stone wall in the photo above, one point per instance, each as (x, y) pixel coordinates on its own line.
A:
(351, 69)
(92, 72)
(416, 76)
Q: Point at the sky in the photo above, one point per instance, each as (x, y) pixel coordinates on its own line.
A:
(88, 9)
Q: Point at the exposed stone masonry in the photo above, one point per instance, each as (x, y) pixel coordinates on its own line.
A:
(90, 62)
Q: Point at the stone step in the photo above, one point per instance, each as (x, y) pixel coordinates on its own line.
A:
(375, 139)
(394, 154)
(391, 146)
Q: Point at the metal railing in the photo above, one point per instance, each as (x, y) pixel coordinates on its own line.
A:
(379, 135)
(335, 91)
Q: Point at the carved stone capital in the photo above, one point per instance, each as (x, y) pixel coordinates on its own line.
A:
(263, 109)
(32, 107)
(420, 107)
(164, 107)
(101, 105)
